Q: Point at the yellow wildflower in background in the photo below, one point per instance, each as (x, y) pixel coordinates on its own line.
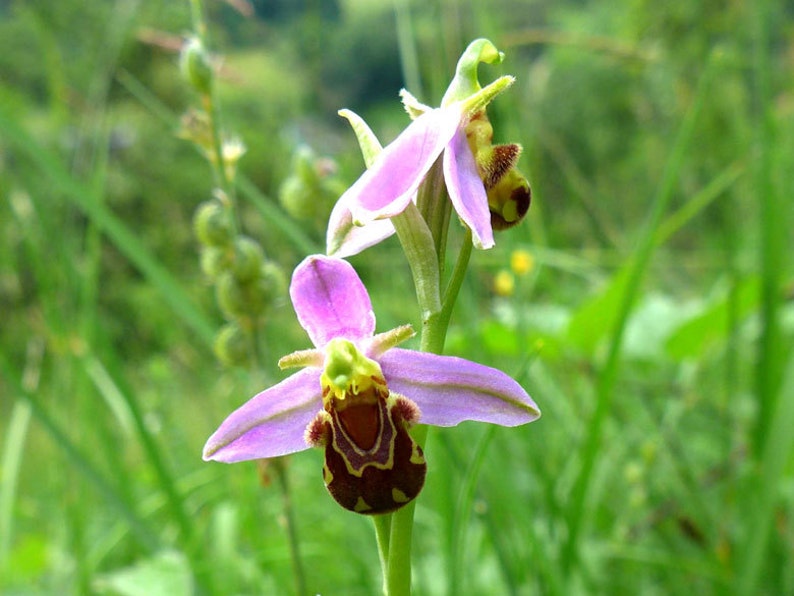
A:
(504, 283)
(522, 262)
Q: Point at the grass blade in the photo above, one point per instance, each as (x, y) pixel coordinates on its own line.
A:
(80, 462)
(114, 228)
(635, 270)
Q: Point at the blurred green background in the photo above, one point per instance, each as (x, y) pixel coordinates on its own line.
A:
(645, 302)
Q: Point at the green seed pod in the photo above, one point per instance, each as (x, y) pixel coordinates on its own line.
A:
(214, 261)
(251, 297)
(248, 258)
(196, 67)
(232, 296)
(267, 288)
(310, 187)
(275, 278)
(232, 345)
(304, 165)
(297, 198)
(212, 224)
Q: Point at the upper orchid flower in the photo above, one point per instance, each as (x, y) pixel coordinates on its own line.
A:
(358, 395)
(471, 165)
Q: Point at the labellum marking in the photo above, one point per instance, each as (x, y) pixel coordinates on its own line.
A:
(372, 464)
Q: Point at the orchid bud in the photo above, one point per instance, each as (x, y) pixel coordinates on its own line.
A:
(273, 281)
(298, 192)
(241, 298)
(250, 297)
(264, 290)
(196, 67)
(248, 258)
(214, 261)
(212, 224)
(232, 296)
(231, 345)
(296, 197)
(310, 187)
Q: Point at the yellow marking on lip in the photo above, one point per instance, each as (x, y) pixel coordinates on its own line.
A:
(416, 456)
(361, 506)
(399, 496)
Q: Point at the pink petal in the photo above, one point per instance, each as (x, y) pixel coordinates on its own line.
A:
(345, 239)
(466, 190)
(449, 390)
(269, 424)
(330, 300)
(385, 189)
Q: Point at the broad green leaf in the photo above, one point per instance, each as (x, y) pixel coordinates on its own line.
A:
(165, 573)
(596, 317)
(712, 326)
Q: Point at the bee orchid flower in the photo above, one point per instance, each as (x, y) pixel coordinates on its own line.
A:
(457, 132)
(357, 395)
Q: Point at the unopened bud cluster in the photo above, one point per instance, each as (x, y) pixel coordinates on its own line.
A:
(311, 187)
(246, 284)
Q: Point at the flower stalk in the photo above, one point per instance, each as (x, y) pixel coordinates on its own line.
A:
(435, 322)
(246, 283)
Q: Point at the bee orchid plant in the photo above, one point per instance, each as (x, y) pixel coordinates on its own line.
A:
(366, 402)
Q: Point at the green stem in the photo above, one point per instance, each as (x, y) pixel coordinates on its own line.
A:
(397, 580)
(197, 16)
(455, 283)
(422, 231)
(383, 535)
(212, 109)
(435, 208)
(417, 242)
(292, 534)
(221, 176)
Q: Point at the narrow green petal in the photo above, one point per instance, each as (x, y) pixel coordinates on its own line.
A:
(413, 106)
(369, 143)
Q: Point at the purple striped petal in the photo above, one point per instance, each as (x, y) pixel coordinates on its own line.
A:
(345, 239)
(466, 190)
(385, 189)
(449, 390)
(331, 301)
(269, 424)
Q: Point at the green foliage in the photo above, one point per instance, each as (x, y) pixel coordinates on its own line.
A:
(669, 332)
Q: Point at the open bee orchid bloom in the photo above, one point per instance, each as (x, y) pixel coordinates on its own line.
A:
(459, 133)
(358, 395)
(386, 188)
